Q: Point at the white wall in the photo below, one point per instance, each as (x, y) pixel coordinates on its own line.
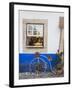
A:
(53, 28)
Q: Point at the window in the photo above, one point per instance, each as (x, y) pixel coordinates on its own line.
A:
(34, 35)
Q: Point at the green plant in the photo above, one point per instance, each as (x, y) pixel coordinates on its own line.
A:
(60, 64)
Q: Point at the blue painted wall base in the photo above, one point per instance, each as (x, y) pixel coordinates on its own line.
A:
(26, 60)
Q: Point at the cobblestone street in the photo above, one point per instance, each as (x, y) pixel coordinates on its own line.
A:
(28, 75)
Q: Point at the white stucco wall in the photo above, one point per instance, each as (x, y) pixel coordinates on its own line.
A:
(53, 27)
